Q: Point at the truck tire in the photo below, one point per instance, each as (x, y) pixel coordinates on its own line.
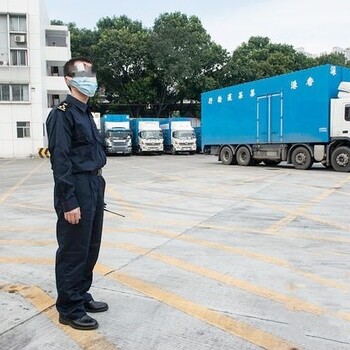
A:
(301, 158)
(243, 156)
(271, 162)
(226, 155)
(340, 159)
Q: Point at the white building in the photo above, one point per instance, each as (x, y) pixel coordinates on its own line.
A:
(345, 52)
(32, 55)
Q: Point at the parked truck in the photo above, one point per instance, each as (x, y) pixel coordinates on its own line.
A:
(179, 135)
(301, 118)
(147, 136)
(116, 133)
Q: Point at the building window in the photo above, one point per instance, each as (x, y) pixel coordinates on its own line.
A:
(23, 129)
(54, 71)
(14, 92)
(18, 24)
(20, 92)
(4, 92)
(18, 58)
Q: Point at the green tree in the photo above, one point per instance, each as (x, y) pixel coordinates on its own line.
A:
(185, 61)
(259, 58)
(332, 58)
(122, 60)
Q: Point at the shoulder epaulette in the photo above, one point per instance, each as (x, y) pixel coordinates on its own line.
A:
(62, 106)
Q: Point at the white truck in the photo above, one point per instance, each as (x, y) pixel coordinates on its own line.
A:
(179, 135)
(147, 136)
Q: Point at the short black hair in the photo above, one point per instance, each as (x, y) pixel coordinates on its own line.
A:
(68, 67)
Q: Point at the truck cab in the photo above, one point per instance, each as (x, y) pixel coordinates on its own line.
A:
(340, 113)
(116, 134)
(147, 136)
(117, 140)
(179, 136)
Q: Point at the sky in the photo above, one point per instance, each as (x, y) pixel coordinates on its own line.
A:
(315, 25)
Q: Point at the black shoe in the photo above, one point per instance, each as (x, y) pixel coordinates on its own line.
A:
(83, 323)
(95, 306)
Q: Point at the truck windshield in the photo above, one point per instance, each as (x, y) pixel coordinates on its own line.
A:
(118, 134)
(151, 134)
(183, 134)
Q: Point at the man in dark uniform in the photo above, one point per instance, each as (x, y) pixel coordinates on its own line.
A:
(77, 157)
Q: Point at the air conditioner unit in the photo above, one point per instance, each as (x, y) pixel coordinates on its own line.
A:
(20, 38)
(3, 63)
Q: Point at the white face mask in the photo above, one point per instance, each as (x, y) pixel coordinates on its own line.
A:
(86, 85)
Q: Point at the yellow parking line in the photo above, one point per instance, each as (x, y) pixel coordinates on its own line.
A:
(237, 251)
(103, 270)
(8, 193)
(26, 242)
(26, 229)
(309, 275)
(35, 207)
(26, 260)
(228, 324)
(291, 303)
(135, 213)
(44, 303)
(302, 209)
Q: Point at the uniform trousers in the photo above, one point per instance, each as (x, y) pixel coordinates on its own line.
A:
(78, 246)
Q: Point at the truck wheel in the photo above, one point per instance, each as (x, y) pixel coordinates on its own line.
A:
(226, 155)
(341, 159)
(243, 156)
(301, 158)
(271, 162)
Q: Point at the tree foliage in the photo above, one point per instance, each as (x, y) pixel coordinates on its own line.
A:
(163, 70)
(259, 58)
(332, 58)
(184, 60)
(123, 62)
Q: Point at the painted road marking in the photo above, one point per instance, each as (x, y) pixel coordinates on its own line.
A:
(8, 193)
(290, 303)
(92, 340)
(134, 212)
(305, 207)
(107, 271)
(214, 318)
(237, 251)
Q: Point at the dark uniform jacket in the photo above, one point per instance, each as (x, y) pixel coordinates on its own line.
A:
(75, 147)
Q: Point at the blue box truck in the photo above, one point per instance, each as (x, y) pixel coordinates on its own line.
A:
(147, 136)
(116, 133)
(179, 135)
(301, 118)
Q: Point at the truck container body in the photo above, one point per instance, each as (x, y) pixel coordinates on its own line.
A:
(147, 135)
(198, 132)
(116, 133)
(179, 135)
(300, 117)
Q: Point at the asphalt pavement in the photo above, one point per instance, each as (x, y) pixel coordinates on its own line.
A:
(207, 256)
